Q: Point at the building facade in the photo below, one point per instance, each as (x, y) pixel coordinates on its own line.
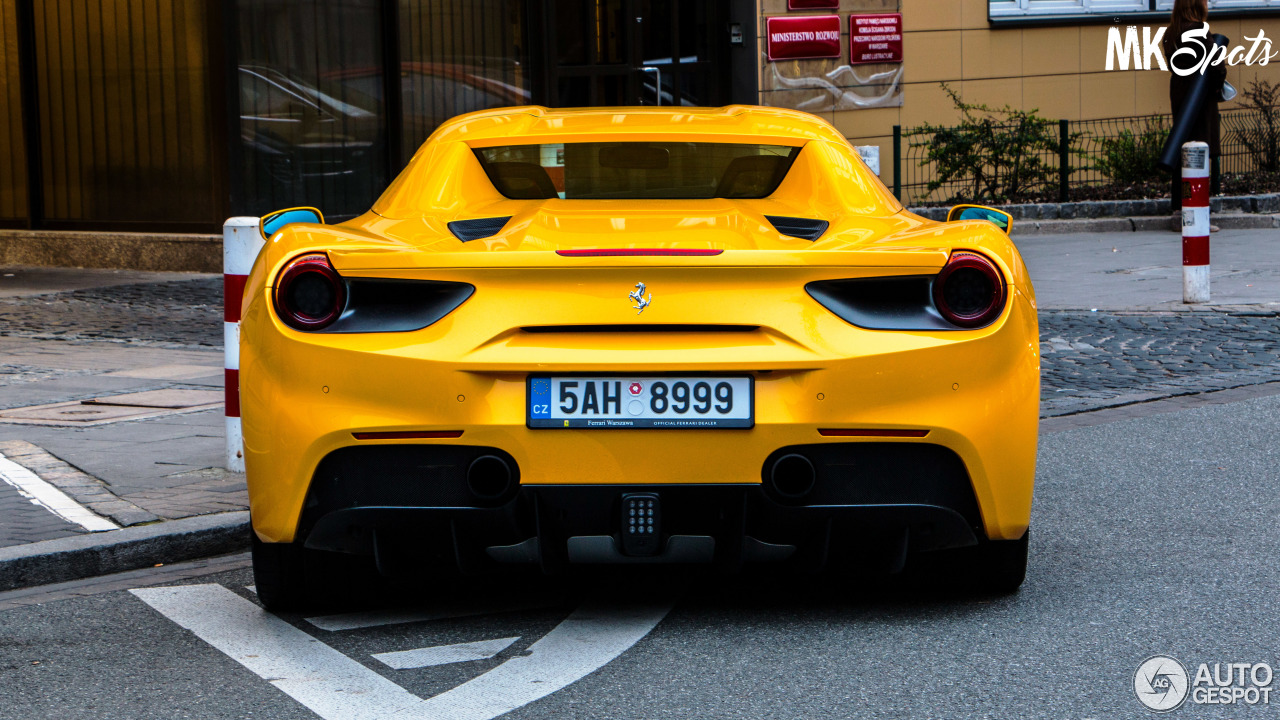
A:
(170, 115)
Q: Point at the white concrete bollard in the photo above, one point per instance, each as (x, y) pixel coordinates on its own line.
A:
(241, 243)
(1195, 222)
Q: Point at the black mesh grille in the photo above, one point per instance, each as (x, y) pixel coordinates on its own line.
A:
(478, 228)
(805, 228)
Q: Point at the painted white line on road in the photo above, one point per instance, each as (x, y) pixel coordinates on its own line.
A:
(331, 684)
(444, 654)
(41, 493)
(588, 639)
(377, 618)
(339, 688)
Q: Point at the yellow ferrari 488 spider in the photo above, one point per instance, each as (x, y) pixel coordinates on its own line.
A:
(572, 338)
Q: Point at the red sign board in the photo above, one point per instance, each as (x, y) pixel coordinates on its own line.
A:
(795, 38)
(813, 4)
(875, 38)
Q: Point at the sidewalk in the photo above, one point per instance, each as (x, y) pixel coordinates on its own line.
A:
(1143, 270)
(69, 336)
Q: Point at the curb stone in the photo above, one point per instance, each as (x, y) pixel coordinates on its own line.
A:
(1267, 204)
(1226, 221)
(80, 556)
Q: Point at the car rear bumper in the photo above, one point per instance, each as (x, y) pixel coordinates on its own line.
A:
(975, 393)
(864, 502)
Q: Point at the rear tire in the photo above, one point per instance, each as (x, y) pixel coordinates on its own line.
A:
(279, 573)
(1000, 566)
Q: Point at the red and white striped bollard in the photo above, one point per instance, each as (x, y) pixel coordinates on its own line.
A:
(1195, 222)
(241, 243)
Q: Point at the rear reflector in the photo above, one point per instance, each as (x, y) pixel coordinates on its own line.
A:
(409, 435)
(842, 432)
(638, 252)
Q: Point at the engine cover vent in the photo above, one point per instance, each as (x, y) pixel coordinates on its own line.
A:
(804, 228)
(478, 228)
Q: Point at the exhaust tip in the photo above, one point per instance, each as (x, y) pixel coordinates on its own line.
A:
(489, 477)
(793, 476)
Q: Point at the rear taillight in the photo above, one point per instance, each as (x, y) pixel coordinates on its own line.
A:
(309, 293)
(970, 291)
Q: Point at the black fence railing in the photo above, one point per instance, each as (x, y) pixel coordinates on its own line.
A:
(1112, 158)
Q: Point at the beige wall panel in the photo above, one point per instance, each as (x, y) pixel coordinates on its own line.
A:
(932, 56)
(1093, 48)
(867, 123)
(930, 15)
(926, 102)
(995, 93)
(1108, 95)
(988, 54)
(1151, 93)
(1051, 51)
(1055, 96)
(973, 14)
(869, 6)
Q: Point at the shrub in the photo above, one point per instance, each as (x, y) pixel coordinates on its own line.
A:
(1262, 135)
(998, 153)
(1131, 157)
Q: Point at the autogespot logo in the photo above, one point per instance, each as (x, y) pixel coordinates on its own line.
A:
(1161, 683)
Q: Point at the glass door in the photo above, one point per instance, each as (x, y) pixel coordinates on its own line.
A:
(636, 52)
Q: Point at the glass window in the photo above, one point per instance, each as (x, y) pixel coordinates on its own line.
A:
(1034, 8)
(311, 131)
(13, 172)
(637, 170)
(459, 57)
(125, 119)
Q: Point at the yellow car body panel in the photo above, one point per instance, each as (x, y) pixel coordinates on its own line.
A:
(304, 395)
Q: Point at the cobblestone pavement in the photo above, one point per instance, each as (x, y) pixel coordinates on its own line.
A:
(1094, 360)
(181, 313)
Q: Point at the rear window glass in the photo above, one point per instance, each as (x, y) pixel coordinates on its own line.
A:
(636, 170)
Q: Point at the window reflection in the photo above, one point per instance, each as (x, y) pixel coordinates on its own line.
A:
(459, 57)
(310, 130)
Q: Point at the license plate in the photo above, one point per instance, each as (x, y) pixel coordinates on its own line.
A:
(640, 402)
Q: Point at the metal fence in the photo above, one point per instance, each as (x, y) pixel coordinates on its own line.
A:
(1072, 160)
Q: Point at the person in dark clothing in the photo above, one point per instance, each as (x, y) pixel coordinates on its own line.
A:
(1189, 15)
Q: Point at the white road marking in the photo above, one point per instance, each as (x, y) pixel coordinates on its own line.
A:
(41, 493)
(331, 684)
(588, 639)
(444, 654)
(376, 618)
(336, 687)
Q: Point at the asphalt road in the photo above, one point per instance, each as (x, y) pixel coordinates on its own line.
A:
(1153, 535)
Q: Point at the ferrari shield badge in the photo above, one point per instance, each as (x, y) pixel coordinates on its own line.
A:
(641, 300)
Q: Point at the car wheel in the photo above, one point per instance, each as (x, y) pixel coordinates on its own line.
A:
(1000, 566)
(279, 574)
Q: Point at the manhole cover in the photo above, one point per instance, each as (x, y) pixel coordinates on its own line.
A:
(161, 399)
